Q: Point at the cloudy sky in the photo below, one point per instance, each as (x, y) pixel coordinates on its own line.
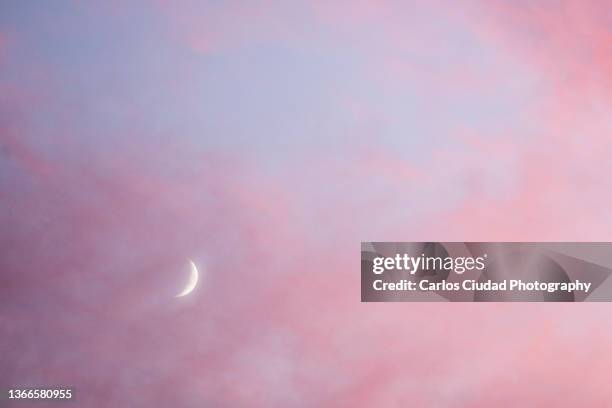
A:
(266, 140)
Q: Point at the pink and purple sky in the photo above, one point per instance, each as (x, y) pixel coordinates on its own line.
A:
(265, 141)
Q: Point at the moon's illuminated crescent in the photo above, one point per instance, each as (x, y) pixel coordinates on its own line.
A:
(193, 281)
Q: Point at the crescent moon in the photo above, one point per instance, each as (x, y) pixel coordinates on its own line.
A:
(193, 281)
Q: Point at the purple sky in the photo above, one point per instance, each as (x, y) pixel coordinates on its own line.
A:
(265, 141)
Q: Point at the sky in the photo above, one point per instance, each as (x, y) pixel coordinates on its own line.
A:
(264, 141)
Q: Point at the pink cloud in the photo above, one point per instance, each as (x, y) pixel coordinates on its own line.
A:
(94, 248)
(560, 176)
